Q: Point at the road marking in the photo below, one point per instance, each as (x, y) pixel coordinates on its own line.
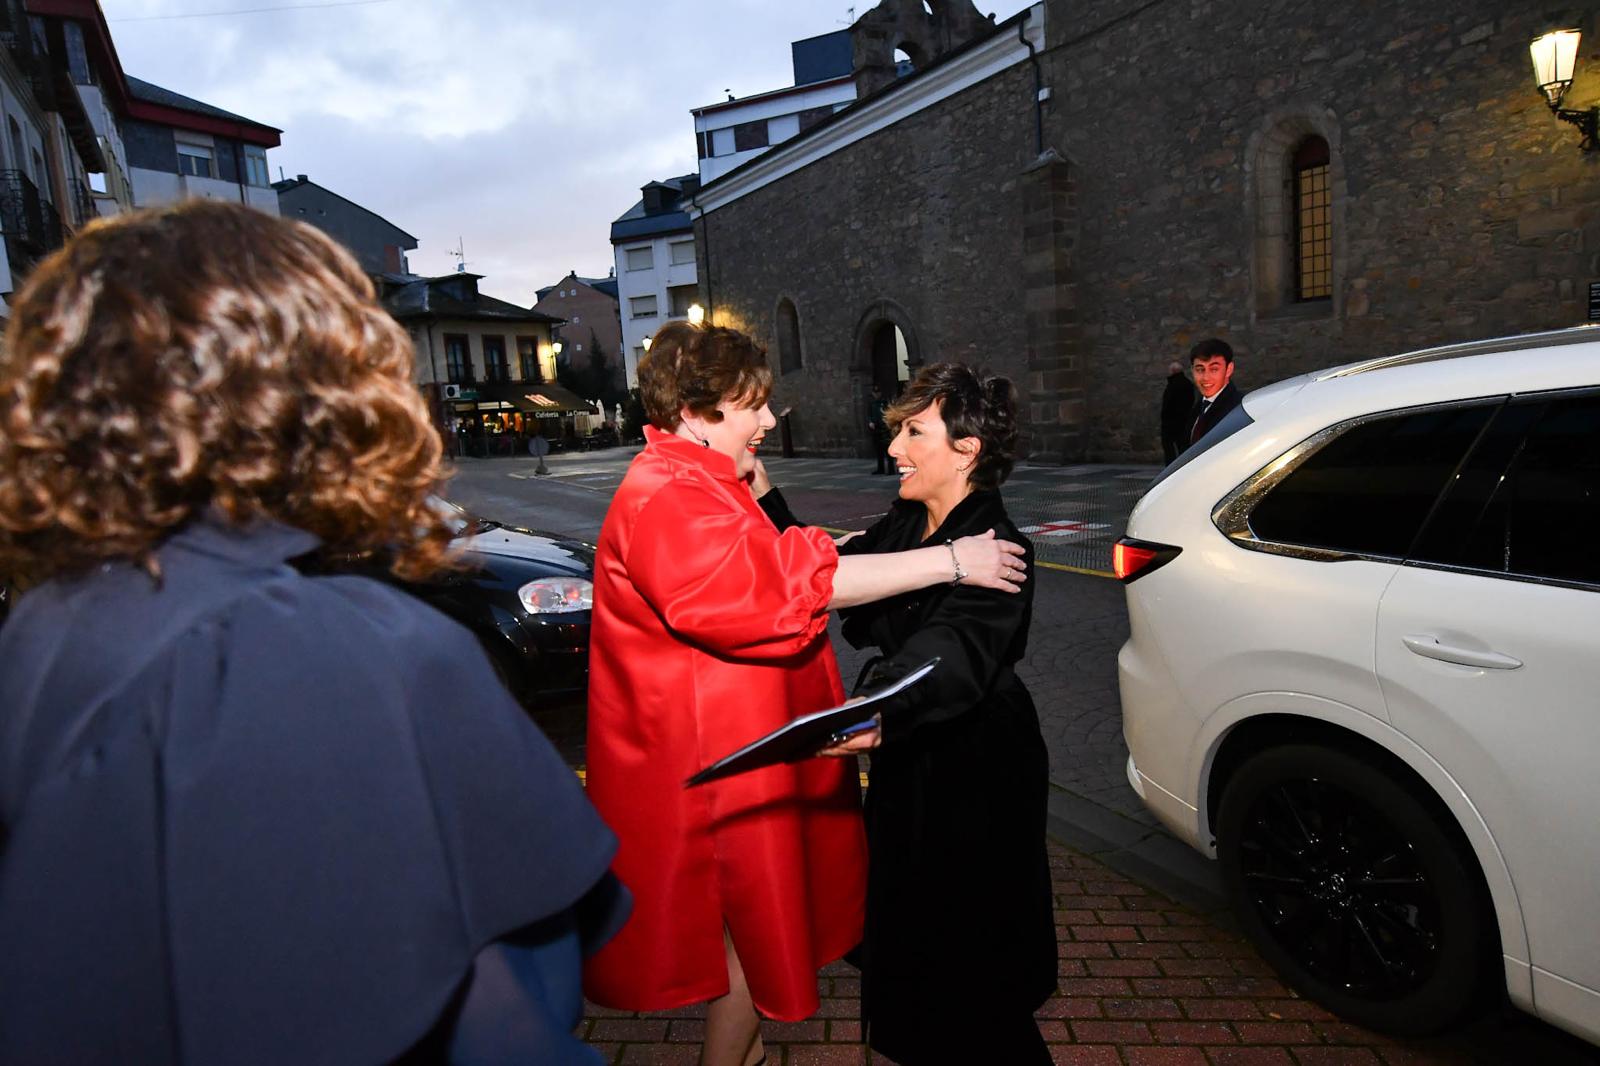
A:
(1065, 527)
(1074, 569)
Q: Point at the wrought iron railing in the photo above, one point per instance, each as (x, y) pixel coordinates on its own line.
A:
(83, 209)
(26, 218)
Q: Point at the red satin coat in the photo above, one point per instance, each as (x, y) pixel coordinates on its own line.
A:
(710, 630)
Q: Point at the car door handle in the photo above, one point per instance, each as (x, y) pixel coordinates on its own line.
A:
(1430, 647)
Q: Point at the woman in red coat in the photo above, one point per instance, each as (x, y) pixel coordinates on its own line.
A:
(710, 630)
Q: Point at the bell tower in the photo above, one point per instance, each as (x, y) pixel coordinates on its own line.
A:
(926, 30)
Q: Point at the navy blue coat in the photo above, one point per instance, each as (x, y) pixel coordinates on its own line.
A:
(249, 816)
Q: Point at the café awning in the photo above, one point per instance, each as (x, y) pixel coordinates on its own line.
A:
(530, 398)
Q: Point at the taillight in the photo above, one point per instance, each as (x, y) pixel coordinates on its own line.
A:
(1135, 558)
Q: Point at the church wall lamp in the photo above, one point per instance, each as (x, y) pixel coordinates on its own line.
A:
(1555, 59)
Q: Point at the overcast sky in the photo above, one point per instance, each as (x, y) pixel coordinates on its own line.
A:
(523, 127)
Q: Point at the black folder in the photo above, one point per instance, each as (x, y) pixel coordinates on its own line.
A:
(808, 734)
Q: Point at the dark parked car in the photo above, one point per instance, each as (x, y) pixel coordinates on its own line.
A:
(526, 595)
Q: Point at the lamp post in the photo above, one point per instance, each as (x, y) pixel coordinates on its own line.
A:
(697, 314)
(1555, 59)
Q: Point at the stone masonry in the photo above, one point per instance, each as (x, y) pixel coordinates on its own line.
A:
(1461, 209)
(922, 225)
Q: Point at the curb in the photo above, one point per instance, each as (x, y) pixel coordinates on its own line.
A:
(1148, 854)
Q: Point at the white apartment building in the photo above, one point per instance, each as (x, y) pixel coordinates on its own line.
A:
(61, 161)
(657, 277)
(735, 131)
(180, 148)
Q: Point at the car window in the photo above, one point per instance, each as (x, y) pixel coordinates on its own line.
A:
(1368, 490)
(1528, 502)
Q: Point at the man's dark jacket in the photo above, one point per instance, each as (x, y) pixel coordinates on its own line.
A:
(1177, 413)
(1205, 418)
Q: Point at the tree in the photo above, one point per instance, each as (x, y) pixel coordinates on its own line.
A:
(634, 417)
(599, 380)
(567, 374)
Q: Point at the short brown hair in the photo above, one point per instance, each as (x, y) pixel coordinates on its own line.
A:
(698, 367)
(972, 404)
(208, 356)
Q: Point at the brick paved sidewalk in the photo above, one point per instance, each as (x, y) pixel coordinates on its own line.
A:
(1144, 982)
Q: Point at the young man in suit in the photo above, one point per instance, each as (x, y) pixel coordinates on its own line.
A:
(1211, 361)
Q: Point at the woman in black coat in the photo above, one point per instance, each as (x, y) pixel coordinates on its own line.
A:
(247, 815)
(959, 949)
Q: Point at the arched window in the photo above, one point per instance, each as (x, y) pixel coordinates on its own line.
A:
(1313, 221)
(1297, 182)
(788, 330)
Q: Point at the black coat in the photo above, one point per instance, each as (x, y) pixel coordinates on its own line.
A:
(960, 927)
(250, 816)
(1177, 408)
(1202, 421)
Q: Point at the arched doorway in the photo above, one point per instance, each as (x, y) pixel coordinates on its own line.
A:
(890, 371)
(887, 353)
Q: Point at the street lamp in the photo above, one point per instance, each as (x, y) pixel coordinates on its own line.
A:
(697, 314)
(645, 344)
(1555, 58)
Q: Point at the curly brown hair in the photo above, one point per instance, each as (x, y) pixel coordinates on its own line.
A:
(207, 356)
(698, 367)
(972, 403)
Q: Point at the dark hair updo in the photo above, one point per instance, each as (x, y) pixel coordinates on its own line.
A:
(972, 404)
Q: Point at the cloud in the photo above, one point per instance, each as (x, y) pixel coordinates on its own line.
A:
(523, 127)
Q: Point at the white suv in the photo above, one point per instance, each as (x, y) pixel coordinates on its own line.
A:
(1364, 674)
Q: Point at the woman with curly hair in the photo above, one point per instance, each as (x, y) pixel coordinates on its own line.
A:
(958, 879)
(248, 815)
(710, 630)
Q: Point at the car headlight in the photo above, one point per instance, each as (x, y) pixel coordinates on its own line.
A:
(557, 595)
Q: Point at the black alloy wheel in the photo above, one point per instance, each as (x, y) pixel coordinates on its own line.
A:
(1353, 888)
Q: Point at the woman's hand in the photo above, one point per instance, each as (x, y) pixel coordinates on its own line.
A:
(760, 483)
(855, 743)
(991, 563)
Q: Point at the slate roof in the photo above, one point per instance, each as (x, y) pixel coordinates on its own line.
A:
(634, 222)
(419, 297)
(155, 94)
(605, 285)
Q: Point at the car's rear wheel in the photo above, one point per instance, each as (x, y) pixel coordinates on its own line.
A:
(1352, 886)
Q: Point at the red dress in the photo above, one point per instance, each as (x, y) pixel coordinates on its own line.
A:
(710, 630)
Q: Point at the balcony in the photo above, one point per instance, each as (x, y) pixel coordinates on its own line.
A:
(83, 208)
(28, 221)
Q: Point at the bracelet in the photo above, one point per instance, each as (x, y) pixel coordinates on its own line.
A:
(961, 575)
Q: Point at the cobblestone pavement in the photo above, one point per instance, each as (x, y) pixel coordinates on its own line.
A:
(1144, 981)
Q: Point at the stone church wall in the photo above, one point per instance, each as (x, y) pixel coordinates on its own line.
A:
(1461, 209)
